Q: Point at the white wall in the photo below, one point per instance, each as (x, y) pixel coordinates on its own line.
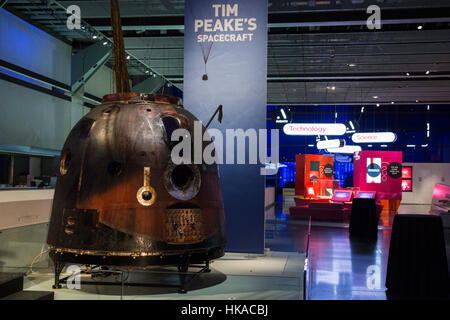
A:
(31, 48)
(19, 208)
(425, 176)
(31, 118)
(101, 83)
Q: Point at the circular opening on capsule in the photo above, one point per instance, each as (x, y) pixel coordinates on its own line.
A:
(114, 168)
(65, 162)
(147, 195)
(181, 176)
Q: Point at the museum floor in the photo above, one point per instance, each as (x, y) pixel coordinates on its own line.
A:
(274, 275)
(340, 269)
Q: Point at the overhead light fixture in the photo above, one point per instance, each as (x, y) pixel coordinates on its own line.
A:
(411, 145)
(154, 75)
(362, 109)
(408, 74)
(352, 65)
(428, 72)
(417, 100)
(310, 145)
(424, 145)
(420, 27)
(392, 102)
(351, 125)
(128, 57)
(94, 36)
(147, 71)
(375, 97)
(383, 145)
(378, 104)
(428, 107)
(333, 88)
(105, 43)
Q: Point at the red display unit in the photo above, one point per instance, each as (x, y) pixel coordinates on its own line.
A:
(313, 175)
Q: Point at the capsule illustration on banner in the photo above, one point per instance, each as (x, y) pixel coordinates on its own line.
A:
(373, 170)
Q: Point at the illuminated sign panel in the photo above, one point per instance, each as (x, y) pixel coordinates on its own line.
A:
(374, 137)
(346, 149)
(327, 144)
(314, 129)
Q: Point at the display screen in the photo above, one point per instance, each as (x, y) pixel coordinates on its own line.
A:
(342, 195)
(314, 165)
(407, 182)
(406, 185)
(366, 195)
(406, 172)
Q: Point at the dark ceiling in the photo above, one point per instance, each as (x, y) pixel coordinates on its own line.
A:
(319, 52)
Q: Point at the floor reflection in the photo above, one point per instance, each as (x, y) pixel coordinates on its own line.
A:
(347, 269)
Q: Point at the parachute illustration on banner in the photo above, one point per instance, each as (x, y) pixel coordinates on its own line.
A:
(205, 46)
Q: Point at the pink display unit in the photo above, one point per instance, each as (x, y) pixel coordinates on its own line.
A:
(380, 172)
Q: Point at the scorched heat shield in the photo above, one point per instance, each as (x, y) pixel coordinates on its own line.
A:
(120, 200)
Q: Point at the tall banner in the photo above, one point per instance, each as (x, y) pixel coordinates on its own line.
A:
(225, 63)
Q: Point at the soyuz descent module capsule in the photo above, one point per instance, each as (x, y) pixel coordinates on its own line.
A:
(119, 198)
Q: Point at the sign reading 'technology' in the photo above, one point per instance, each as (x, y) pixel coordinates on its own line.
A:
(313, 129)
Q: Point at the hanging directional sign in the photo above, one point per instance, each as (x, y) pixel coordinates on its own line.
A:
(313, 129)
(345, 149)
(374, 137)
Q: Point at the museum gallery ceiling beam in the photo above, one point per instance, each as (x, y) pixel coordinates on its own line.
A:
(289, 20)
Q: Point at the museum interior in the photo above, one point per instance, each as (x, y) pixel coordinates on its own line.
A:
(226, 150)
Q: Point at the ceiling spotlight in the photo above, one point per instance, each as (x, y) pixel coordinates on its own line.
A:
(417, 100)
(147, 71)
(420, 27)
(428, 72)
(105, 43)
(407, 74)
(94, 36)
(392, 102)
(378, 104)
(352, 65)
(128, 57)
(375, 97)
(333, 88)
(154, 75)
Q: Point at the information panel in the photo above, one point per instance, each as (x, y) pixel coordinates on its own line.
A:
(225, 63)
